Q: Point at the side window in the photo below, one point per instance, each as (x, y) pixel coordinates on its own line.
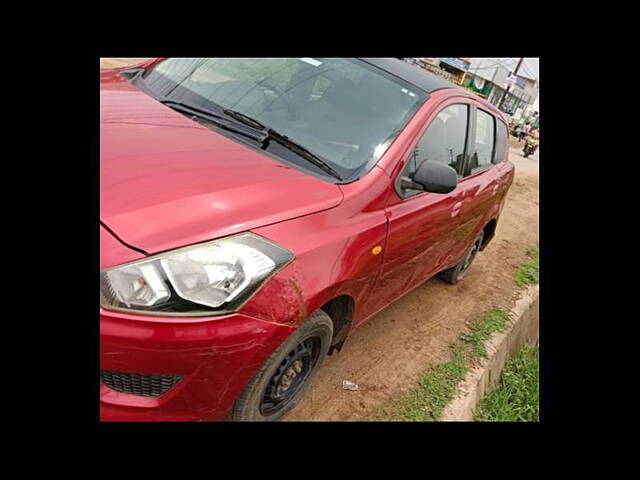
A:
(443, 141)
(482, 152)
(502, 139)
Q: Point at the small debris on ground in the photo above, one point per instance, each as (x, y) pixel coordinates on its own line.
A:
(347, 385)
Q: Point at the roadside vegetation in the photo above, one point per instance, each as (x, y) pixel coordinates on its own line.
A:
(529, 272)
(438, 385)
(517, 397)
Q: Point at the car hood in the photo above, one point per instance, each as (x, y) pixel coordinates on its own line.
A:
(166, 181)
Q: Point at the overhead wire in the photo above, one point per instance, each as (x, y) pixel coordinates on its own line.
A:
(496, 64)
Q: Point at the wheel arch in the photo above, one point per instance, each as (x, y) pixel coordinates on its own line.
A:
(489, 232)
(341, 310)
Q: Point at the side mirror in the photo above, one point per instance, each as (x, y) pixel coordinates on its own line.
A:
(433, 177)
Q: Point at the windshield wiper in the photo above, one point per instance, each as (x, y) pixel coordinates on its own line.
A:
(302, 151)
(247, 120)
(222, 121)
(284, 141)
(258, 132)
(131, 74)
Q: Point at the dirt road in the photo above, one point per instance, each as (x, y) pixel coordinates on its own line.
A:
(119, 62)
(386, 355)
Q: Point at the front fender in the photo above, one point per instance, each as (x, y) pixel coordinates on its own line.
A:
(332, 265)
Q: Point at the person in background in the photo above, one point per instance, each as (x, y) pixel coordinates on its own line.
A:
(524, 132)
(535, 133)
(532, 142)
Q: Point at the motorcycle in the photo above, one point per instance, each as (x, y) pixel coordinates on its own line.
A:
(530, 146)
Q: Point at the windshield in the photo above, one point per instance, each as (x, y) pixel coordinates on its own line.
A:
(345, 111)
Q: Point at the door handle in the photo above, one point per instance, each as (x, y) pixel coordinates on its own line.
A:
(495, 189)
(455, 210)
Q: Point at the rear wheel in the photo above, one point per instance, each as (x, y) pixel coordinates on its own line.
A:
(454, 274)
(277, 387)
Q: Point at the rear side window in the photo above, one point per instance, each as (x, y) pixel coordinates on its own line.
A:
(502, 138)
(443, 141)
(482, 152)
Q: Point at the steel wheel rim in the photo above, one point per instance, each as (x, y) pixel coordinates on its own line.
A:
(469, 258)
(290, 376)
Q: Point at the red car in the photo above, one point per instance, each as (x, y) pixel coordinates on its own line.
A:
(255, 212)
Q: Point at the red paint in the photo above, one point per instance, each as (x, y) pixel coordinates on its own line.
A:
(217, 355)
(167, 182)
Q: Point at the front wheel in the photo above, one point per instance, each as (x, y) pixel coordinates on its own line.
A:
(277, 387)
(454, 274)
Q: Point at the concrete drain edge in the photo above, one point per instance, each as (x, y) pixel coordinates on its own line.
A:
(522, 329)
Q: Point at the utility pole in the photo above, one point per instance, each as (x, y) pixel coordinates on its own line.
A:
(504, 94)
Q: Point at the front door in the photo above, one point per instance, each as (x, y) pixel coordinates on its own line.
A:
(423, 225)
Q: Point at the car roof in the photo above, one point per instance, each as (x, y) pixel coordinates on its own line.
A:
(421, 78)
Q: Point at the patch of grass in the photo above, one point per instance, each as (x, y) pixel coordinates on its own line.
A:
(516, 397)
(438, 385)
(494, 320)
(529, 272)
(434, 390)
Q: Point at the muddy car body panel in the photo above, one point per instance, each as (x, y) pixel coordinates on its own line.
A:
(169, 182)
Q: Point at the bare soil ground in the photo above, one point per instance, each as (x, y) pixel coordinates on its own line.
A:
(119, 62)
(387, 354)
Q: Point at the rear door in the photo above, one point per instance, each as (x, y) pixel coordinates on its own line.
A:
(504, 168)
(479, 183)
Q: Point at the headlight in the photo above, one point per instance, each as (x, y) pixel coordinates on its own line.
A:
(205, 279)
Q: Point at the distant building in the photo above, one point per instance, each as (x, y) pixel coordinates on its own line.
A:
(452, 69)
(457, 67)
(488, 78)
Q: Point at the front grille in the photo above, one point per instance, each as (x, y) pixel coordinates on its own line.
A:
(138, 383)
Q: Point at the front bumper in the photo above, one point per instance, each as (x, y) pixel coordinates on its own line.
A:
(216, 355)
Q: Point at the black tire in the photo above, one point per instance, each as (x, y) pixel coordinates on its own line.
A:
(454, 274)
(256, 401)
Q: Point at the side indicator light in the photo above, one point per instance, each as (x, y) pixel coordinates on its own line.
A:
(376, 250)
